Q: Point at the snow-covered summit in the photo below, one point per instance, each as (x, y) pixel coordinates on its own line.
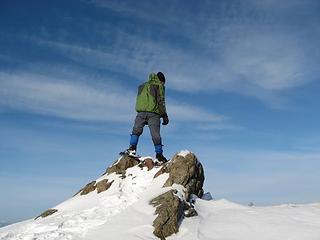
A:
(123, 192)
(121, 204)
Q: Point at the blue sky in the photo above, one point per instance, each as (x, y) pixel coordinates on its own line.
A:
(242, 93)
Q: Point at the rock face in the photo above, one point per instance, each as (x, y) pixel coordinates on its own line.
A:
(184, 169)
(103, 185)
(170, 209)
(187, 171)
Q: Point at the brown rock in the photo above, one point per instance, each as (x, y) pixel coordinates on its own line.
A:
(88, 188)
(148, 163)
(47, 213)
(124, 163)
(170, 211)
(184, 170)
(103, 185)
(187, 171)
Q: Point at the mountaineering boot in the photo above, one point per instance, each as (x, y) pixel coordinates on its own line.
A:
(132, 150)
(161, 159)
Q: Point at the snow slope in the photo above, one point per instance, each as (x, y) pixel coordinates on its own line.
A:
(123, 212)
(3, 224)
(78, 215)
(224, 220)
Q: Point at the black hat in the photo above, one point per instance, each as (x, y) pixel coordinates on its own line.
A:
(161, 77)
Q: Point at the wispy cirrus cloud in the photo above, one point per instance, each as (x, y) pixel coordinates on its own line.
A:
(147, 11)
(189, 113)
(254, 51)
(242, 57)
(77, 100)
(245, 65)
(55, 97)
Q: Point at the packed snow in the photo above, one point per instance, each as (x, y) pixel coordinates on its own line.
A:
(124, 212)
(224, 220)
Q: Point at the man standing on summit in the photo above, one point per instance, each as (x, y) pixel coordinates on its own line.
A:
(150, 107)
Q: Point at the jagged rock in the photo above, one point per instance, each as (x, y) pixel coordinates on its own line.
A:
(170, 210)
(147, 163)
(88, 188)
(121, 166)
(47, 213)
(187, 171)
(103, 185)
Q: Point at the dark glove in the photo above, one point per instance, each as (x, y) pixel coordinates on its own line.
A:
(165, 120)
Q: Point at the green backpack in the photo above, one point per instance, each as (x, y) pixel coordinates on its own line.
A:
(148, 94)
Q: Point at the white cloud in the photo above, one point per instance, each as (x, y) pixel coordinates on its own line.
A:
(255, 62)
(55, 97)
(269, 61)
(148, 11)
(66, 98)
(254, 51)
(189, 113)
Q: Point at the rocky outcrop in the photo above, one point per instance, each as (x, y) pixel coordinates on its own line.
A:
(47, 213)
(184, 170)
(121, 165)
(148, 163)
(103, 185)
(118, 167)
(90, 187)
(170, 209)
(187, 171)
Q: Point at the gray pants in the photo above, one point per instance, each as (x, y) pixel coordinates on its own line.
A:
(153, 121)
